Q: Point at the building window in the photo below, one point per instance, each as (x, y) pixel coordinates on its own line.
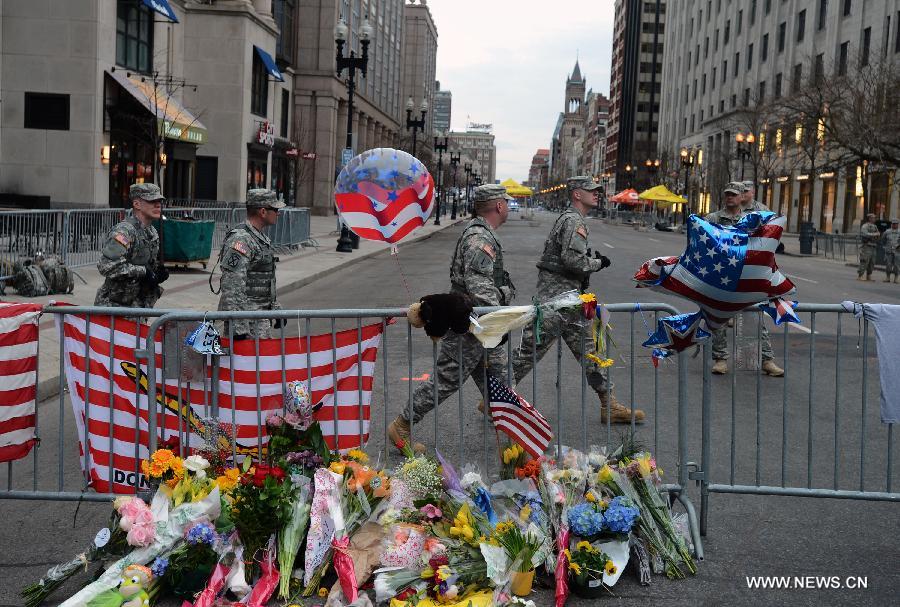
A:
(285, 112)
(747, 97)
(259, 92)
(727, 32)
(284, 11)
(740, 21)
(764, 51)
(733, 101)
(703, 85)
(762, 92)
(724, 71)
(847, 7)
(842, 58)
(752, 12)
(782, 33)
(750, 56)
(801, 25)
(713, 82)
(721, 105)
(716, 40)
(134, 36)
(706, 47)
(823, 11)
(897, 36)
(777, 85)
(768, 6)
(46, 111)
(797, 79)
(866, 42)
(819, 70)
(737, 62)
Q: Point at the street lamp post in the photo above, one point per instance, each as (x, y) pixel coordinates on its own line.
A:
(687, 161)
(604, 179)
(467, 168)
(415, 124)
(744, 144)
(630, 171)
(652, 165)
(440, 148)
(351, 64)
(454, 162)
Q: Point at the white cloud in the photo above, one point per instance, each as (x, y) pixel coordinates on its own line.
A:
(506, 62)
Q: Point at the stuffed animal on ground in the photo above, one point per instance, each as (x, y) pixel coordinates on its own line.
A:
(441, 313)
(132, 590)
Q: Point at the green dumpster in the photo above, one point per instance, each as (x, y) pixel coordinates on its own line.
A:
(186, 240)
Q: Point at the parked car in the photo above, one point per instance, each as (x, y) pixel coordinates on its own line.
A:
(513, 206)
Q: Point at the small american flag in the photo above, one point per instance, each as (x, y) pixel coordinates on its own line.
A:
(18, 378)
(520, 421)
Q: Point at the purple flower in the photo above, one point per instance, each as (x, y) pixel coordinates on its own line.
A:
(201, 533)
(431, 512)
(159, 566)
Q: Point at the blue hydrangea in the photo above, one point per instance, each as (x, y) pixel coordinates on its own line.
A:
(620, 515)
(584, 520)
(159, 566)
(201, 533)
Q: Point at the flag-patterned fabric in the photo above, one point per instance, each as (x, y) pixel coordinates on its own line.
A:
(725, 269)
(519, 420)
(112, 420)
(18, 378)
(781, 311)
(384, 194)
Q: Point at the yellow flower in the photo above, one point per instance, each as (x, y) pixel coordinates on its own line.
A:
(575, 567)
(590, 497)
(525, 513)
(162, 456)
(610, 568)
(323, 592)
(587, 297)
(583, 545)
(507, 456)
(600, 362)
(605, 475)
(426, 573)
(228, 481)
(644, 465)
(568, 554)
(337, 467)
(359, 455)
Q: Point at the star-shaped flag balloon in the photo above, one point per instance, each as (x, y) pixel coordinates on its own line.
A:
(675, 333)
(781, 310)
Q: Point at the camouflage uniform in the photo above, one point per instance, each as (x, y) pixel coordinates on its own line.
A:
(248, 271)
(891, 242)
(752, 205)
(565, 265)
(868, 235)
(720, 349)
(476, 271)
(129, 251)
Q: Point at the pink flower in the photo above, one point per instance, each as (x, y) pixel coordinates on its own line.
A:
(275, 420)
(132, 507)
(144, 517)
(431, 512)
(141, 535)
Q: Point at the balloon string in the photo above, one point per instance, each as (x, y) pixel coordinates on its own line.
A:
(395, 253)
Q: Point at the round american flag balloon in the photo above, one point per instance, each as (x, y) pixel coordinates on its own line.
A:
(384, 194)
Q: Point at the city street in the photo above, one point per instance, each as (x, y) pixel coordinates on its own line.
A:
(747, 535)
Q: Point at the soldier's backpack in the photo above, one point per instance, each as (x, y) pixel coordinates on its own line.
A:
(60, 278)
(29, 280)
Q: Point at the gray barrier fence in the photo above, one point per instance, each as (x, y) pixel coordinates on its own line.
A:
(77, 235)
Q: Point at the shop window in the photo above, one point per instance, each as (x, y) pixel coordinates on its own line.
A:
(134, 36)
(285, 112)
(259, 93)
(47, 111)
(284, 13)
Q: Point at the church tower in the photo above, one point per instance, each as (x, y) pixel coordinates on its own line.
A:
(571, 133)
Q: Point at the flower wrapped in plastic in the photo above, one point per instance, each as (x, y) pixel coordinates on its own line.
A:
(494, 325)
(292, 532)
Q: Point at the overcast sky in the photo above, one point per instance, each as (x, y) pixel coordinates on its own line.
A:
(506, 62)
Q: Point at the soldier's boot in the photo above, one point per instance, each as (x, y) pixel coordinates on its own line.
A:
(887, 278)
(868, 277)
(770, 368)
(720, 366)
(896, 279)
(860, 277)
(398, 432)
(618, 413)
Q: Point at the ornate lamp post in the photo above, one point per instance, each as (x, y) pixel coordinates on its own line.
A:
(415, 124)
(687, 162)
(467, 168)
(652, 165)
(352, 63)
(440, 148)
(454, 162)
(744, 145)
(630, 171)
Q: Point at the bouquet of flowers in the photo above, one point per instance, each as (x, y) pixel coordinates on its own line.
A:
(163, 467)
(588, 565)
(292, 532)
(186, 569)
(521, 547)
(420, 474)
(594, 518)
(514, 458)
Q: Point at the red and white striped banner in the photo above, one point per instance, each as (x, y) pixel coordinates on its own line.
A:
(18, 378)
(116, 414)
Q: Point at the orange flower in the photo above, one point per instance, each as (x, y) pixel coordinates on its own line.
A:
(362, 475)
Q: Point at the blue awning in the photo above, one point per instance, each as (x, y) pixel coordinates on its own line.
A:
(162, 7)
(267, 60)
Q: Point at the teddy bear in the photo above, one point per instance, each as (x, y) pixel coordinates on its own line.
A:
(441, 313)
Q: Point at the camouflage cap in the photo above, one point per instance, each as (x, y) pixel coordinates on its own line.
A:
(490, 191)
(748, 185)
(261, 198)
(145, 191)
(734, 186)
(581, 182)
(895, 220)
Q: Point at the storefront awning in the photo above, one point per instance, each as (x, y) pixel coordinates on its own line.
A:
(267, 60)
(162, 7)
(175, 121)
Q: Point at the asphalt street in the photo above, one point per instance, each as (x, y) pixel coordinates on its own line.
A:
(803, 430)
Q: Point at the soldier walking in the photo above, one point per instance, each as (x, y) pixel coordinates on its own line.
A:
(748, 198)
(565, 265)
(890, 240)
(129, 259)
(476, 271)
(248, 267)
(729, 216)
(868, 239)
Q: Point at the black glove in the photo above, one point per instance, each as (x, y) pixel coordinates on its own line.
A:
(162, 274)
(589, 251)
(277, 323)
(604, 261)
(150, 277)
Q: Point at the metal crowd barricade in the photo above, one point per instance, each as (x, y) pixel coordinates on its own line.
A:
(829, 440)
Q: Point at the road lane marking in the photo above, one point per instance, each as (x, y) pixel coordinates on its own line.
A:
(653, 239)
(815, 282)
(794, 325)
(606, 244)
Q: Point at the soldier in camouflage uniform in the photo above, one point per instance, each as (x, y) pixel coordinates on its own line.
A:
(130, 256)
(868, 239)
(748, 199)
(891, 242)
(476, 271)
(567, 265)
(733, 212)
(248, 266)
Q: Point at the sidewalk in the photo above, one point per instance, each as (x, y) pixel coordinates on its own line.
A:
(189, 288)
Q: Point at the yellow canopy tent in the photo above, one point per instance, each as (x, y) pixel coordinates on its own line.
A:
(515, 189)
(662, 196)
